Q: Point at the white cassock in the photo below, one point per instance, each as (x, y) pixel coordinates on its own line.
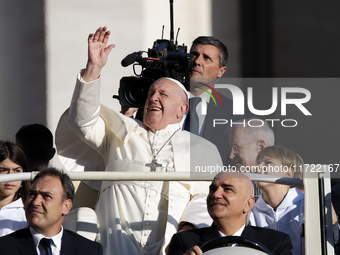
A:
(135, 217)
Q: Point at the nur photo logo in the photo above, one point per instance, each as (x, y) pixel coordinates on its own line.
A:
(280, 98)
(211, 95)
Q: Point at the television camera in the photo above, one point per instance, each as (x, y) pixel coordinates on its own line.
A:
(165, 59)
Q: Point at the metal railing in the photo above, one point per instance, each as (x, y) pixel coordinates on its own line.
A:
(312, 215)
(147, 176)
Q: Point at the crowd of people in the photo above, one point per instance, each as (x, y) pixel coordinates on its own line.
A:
(151, 217)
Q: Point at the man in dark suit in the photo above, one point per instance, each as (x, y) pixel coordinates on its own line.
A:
(49, 200)
(209, 63)
(230, 199)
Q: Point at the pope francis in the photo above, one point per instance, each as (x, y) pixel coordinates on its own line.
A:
(135, 217)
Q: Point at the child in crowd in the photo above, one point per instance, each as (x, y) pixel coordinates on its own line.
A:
(280, 207)
(12, 194)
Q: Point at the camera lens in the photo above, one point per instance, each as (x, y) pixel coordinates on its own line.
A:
(133, 91)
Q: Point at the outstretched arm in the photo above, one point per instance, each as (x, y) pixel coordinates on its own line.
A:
(98, 52)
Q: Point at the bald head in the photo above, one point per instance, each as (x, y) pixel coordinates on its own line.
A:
(247, 140)
(255, 129)
(231, 197)
(239, 178)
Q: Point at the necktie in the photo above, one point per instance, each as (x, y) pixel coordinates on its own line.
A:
(191, 122)
(46, 244)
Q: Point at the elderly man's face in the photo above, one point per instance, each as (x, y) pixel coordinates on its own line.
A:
(166, 104)
(206, 62)
(243, 149)
(230, 198)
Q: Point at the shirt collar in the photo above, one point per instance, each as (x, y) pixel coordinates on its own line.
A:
(237, 233)
(15, 204)
(56, 239)
(170, 128)
(292, 197)
(204, 96)
(173, 127)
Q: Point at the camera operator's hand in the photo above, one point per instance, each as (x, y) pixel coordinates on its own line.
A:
(128, 111)
(98, 53)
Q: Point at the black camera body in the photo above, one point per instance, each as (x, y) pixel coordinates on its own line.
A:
(164, 59)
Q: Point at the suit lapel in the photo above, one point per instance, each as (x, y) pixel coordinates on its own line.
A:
(248, 231)
(223, 111)
(211, 113)
(210, 234)
(68, 245)
(26, 244)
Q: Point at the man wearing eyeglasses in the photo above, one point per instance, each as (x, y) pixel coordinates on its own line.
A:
(247, 140)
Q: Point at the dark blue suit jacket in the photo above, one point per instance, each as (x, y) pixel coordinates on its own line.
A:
(277, 242)
(21, 242)
(219, 135)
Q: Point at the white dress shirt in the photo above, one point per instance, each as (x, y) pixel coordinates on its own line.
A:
(201, 110)
(56, 242)
(12, 217)
(237, 233)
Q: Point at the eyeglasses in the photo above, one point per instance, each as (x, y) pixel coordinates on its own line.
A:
(236, 148)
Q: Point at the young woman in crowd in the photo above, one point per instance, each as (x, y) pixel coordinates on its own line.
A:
(12, 194)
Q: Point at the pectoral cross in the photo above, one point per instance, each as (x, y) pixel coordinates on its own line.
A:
(153, 165)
